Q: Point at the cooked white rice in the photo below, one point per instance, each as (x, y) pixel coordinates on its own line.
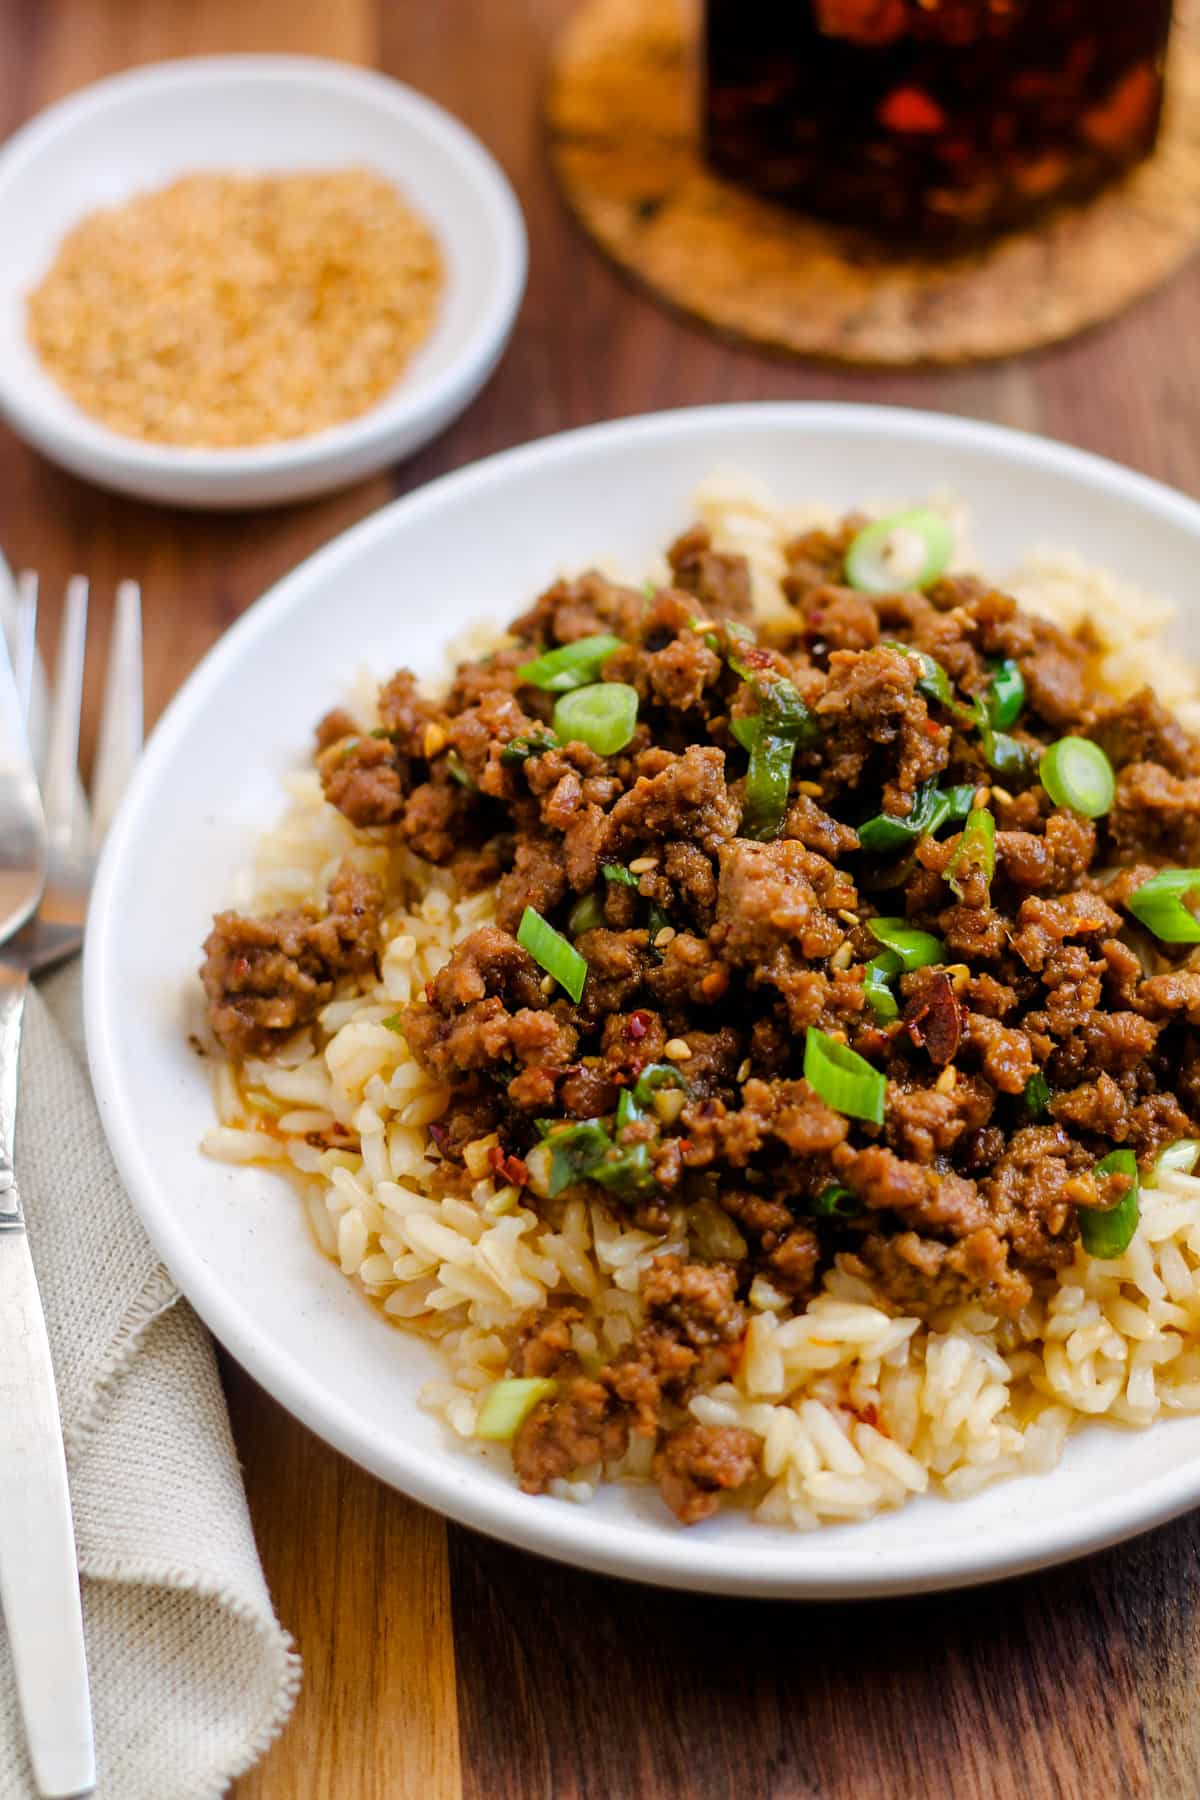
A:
(858, 1408)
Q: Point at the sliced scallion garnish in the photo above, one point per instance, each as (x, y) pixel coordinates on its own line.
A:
(771, 735)
(552, 952)
(842, 1078)
(915, 949)
(585, 1150)
(906, 550)
(586, 914)
(1036, 1094)
(1076, 773)
(1002, 754)
(1161, 905)
(932, 807)
(602, 716)
(881, 971)
(835, 1202)
(1178, 1158)
(1005, 694)
(571, 665)
(519, 749)
(655, 1076)
(975, 850)
(508, 1403)
(1107, 1234)
(615, 872)
(933, 680)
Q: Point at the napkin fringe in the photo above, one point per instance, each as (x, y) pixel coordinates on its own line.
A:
(157, 1297)
(278, 1646)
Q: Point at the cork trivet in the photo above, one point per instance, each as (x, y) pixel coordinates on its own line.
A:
(622, 114)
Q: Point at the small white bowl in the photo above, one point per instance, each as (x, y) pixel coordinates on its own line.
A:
(139, 131)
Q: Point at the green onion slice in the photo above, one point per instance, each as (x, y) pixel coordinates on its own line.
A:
(975, 849)
(1036, 1095)
(931, 809)
(1107, 1234)
(460, 773)
(1002, 754)
(771, 734)
(519, 749)
(585, 915)
(843, 1079)
(508, 1403)
(1005, 694)
(836, 1202)
(915, 949)
(571, 665)
(880, 971)
(585, 1150)
(614, 872)
(602, 716)
(655, 1076)
(1178, 1158)
(906, 550)
(933, 680)
(768, 779)
(1161, 905)
(1076, 773)
(552, 952)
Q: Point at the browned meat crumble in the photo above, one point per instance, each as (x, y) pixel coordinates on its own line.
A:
(1050, 1032)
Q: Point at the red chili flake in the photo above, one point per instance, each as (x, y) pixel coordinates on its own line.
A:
(429, 992)
(684, 1143)
(932, 728)
(241, 967)
(911, 109)
(440, 1135)
(636, 1026)
(511, 1168)
(934, 1019)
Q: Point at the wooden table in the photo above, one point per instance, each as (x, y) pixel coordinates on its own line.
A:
(438, 1664)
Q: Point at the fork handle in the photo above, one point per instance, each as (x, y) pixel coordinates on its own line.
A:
(39, 1581)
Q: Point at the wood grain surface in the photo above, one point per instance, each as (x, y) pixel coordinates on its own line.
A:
(439, 1665)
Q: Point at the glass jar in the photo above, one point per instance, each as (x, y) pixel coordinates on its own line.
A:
(931, 122)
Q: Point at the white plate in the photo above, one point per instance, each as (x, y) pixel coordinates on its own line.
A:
(483, 542)
(139, 131)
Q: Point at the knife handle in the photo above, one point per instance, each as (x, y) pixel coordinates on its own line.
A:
(39, 1580)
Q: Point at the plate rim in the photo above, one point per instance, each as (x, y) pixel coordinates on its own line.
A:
(655, 1557)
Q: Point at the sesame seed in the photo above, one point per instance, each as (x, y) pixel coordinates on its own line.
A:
(846, 916)
(434, 740)
(979, 799)
(236, 309)
(1001, 794)
(547, 984)
(664, 937)
(813, 789)
(947, 1081)
(843, 956)
(642, 865)
(677, 1049)
(743, 1072)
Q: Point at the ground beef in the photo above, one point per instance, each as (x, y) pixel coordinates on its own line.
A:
(265, 976)
(573, 1430)
(698, 1463)
(1047, 1028)
(721, 583)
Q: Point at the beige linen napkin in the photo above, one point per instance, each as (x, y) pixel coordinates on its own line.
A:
(192, 1676)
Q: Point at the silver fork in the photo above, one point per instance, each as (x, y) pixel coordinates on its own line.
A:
(47, 857)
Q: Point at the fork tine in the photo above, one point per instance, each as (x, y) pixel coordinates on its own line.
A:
(25, 650)
(60, 790)
(121, 719)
